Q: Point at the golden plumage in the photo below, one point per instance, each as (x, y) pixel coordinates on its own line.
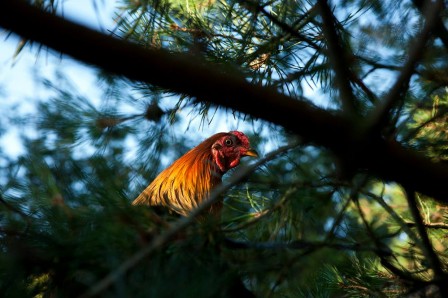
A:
(190, 179)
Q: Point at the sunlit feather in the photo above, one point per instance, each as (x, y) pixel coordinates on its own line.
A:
(189, 180)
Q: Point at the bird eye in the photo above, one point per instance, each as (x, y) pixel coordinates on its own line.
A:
(228, 142)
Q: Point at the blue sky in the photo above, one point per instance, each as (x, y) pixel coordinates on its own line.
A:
(20, 75)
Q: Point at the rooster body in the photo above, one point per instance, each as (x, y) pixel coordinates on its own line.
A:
(189, 180)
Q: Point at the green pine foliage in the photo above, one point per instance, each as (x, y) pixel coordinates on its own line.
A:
(302, 225)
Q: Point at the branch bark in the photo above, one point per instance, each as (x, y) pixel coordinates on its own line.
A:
(225, 86)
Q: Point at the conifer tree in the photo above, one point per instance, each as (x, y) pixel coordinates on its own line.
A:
(348, 198)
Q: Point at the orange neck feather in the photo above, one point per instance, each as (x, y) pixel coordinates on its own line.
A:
(187, 182)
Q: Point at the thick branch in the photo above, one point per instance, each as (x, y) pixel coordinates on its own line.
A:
(226, 87)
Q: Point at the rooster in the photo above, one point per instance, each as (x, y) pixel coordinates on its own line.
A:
(189, 180)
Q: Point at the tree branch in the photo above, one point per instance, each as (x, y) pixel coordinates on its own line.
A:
(430, 225)
(427, 248)
(379, 116)
(226, 87)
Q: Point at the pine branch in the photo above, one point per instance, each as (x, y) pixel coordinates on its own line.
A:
(226, 87)
(428, 250)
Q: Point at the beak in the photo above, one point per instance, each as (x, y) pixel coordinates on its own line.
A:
(251, 152)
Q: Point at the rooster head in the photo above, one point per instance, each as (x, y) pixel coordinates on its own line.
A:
(228, 149)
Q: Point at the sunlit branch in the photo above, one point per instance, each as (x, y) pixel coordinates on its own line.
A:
(431, 256)
(430, 225)
(415, 131)
(385, 258)
(263, 213)
(395, 216)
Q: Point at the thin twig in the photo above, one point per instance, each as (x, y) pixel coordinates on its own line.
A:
(182, 223)
(354, 197)
(355, 189)
(398, 219)
(430, 225)
(264, 213)
(285, 27)
(380, 247)
(299, 244)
